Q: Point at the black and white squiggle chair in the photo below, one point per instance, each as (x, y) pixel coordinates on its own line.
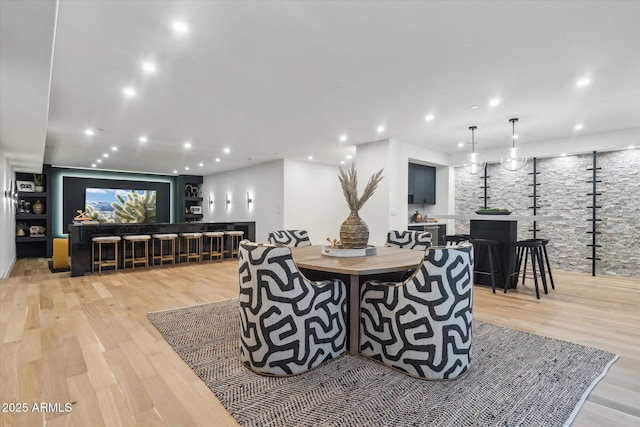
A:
(418, 240)
(289, 238)
(288, 324)
(422, 326)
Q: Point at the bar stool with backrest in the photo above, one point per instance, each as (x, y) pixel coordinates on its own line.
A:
(100, 261)
(162, 240)
(142, 240)
(456, 239)
(524, 249)
(486, 248)
(234, 241)
(190, 246)
(216, 244)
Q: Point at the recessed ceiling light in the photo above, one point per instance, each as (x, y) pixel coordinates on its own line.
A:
(99, 161)
(494, 102)
(578, 126)
(175, 171)
(201, 164)
(585, 81)
(563, 154)
(129, 92)
(342, 162)
(514, 136)
(473, 107)
(227, 150)
(143, 139)
(114, 148)
(89, 132)
(186, 168)
(149, 67)
(380, 129)
(631, 147)
(310, 157)
(460, 144)
(429, 117)
(105, 155)
(217, 159)
(187, 145)
(180, 27)
(93, 165)
(343, 138)
(348, 157)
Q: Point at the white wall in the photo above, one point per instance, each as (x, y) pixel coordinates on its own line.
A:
(388, 208)
(264, 183)
(7, 219)
(313, 200)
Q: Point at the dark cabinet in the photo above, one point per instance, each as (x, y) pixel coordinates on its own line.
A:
(422, 184)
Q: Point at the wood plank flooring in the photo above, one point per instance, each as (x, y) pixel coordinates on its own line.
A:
(86, 341)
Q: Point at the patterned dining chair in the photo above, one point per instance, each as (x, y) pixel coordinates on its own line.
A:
(289, 238)
(422, 326)
(288, 324)
(418, 240)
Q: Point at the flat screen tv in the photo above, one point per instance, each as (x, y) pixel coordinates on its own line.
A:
(107, 205)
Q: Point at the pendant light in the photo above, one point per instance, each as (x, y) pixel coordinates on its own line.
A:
(473, 162)
(513, 158)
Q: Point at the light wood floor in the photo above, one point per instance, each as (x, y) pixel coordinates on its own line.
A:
(87, 341)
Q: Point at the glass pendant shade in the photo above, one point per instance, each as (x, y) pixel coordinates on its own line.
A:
(513, 158)
(473, 162)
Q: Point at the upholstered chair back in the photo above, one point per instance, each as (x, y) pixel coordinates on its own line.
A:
(422, 326)
(288, 324)
(418, 240)
(290, 238)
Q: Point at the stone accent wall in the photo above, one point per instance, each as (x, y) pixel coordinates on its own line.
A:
(563, 191)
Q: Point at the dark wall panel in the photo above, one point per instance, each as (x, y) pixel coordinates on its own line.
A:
(73, 190)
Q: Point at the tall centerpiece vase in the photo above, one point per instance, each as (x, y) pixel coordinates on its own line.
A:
(354, 232)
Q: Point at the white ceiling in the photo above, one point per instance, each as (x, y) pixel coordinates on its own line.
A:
(285, 79)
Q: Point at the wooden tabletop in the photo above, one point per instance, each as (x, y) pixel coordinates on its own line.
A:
(386, 260)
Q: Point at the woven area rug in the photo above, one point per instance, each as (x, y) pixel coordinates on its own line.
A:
(516, 378)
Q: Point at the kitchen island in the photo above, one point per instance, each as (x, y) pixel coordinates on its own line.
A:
(80, 236)
(504, 229)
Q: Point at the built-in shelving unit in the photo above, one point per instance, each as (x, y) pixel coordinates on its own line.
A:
(39, 243)
(189, 198)
(594, 181)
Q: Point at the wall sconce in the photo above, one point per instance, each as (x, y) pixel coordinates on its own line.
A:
(249, 200)
(210, 200)
(228, 200)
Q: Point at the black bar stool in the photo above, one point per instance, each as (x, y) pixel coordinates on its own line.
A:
(456, 239)
(542, 251)
(524, 250)
(491, 248)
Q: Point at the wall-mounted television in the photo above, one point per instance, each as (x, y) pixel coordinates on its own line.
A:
(108, 205)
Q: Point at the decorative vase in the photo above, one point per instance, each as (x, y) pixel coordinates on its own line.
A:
(37, 207)
(39, 188)
(417, 217)
(20, 232)
(354, 232)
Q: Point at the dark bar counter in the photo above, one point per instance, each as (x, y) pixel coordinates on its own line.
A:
(80, 236)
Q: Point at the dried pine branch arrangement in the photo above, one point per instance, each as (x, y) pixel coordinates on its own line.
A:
(349, 182)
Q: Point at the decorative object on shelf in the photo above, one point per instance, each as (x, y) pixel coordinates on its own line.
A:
(38, 182)
(431, 219)
(334, 242)
(194, 191)
(187, 190)
(27, 207)
(36, 231)
(493, 211)
(417, 217)
(20, 229)
(21, 206)
(514, 158)
(196, 210)
(37, 207)
(354, 232)
(82, 216)
(25, 186)
(473, 162)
